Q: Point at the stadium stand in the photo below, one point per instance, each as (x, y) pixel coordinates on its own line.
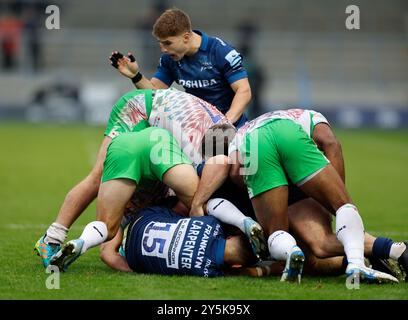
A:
(307, 55)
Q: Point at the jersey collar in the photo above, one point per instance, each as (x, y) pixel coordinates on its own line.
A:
(204, 40)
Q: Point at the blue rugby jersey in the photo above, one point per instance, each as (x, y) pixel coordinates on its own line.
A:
(162, 242)
(208, 73)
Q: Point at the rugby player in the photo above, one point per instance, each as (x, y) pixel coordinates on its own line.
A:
(161, 241)
(205, 66)
(274, 149)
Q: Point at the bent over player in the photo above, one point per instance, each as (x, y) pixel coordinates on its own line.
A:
(185, 116)
(274, 149)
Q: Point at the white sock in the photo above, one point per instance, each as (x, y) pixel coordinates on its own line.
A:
(280, 243)
(94, 234)
(397, 249)
(226, 212)
(56, 234)
(350, 232)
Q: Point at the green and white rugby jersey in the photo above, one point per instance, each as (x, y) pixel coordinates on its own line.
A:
(185, 116)
(307, 119)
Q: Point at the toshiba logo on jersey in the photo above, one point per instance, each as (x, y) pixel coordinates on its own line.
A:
(196, 83)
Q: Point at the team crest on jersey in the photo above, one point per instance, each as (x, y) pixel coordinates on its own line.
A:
(206, 66)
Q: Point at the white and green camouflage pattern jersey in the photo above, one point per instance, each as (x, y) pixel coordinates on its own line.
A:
(307, 119)
(185, 116)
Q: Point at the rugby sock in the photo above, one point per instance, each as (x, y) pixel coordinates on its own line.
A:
(94, 234)
(226, 212)
(381, 248)
(350, 232)
(385, 248)
(56, 234)
(397, 249)
(280, 243)
(344, 263)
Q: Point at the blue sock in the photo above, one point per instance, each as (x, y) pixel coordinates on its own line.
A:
(344, 263)
(382, 247)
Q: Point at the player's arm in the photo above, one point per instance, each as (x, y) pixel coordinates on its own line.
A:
(230, 64)
(236, 166)
(241, 99)
(327, 142)
(110, 254)
(128, 66)
(215, 172)
(153, 83)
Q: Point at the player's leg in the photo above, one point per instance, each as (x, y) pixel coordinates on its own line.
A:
(85, 192)
(321, 266)
(271, 209)
(382, 251)
(122, 170)
(228, 213)
(267, 186)
(310, 223)
(112, 200)
(271, 212)
(76, 201)
(307, 167)
(333, 266)
(113, 197)
(183, 179)
(81, 195)
(328, 189)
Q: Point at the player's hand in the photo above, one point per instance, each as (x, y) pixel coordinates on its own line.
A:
(126, 65)
(232, 117)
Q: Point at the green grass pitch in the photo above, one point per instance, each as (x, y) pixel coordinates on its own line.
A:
(40, 163)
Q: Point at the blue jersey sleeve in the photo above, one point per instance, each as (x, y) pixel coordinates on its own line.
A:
(164, 71)
(229, 62)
